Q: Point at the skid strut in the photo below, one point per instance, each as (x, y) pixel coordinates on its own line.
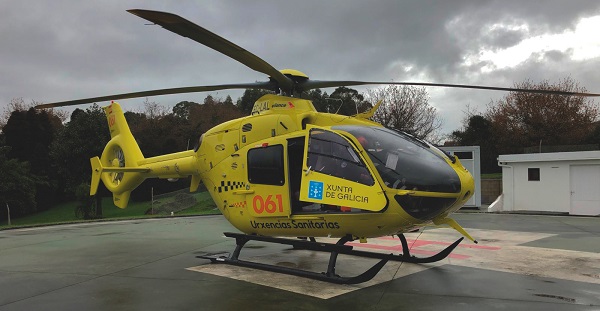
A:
(333, 249)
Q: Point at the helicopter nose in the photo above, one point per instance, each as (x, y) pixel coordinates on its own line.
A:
(434, 188)
(423, 207)
(429, 205)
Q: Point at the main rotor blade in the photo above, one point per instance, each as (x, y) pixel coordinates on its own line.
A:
(178, 90)
(314, 84)
(183, 27)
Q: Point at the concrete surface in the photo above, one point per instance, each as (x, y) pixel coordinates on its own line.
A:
(523, 262)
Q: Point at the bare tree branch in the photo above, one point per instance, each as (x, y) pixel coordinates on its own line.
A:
(406, 108)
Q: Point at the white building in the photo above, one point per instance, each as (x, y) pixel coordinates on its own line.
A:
(470, 158)
(562, 182)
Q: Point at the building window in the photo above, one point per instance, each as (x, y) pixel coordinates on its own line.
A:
(464, 155)
(533, 174)
(265, 165)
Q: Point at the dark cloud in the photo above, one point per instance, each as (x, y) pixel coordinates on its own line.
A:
(58, 50)
(503, 38)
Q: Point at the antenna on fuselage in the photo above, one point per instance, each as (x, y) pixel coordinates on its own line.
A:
(341, 103)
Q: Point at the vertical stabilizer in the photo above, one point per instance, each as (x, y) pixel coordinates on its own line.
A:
(118, 167)
(122, 166)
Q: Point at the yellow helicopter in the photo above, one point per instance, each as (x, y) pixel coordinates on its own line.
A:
(290, 171)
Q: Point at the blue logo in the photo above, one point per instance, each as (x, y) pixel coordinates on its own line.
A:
(315, 190)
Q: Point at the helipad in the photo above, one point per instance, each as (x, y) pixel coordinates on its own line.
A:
(522, 262)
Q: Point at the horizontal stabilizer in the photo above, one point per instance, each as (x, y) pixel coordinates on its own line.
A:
(125, 169)
(98, 169)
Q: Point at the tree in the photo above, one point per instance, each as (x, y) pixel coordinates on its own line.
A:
(478, 131)
(17, 186)
(18, 104)
(214, 112)
(87, 206)
(407, 109)
(594, 136)
(182, 109)
(82, 138)
(528, 119)
(350, 102)
(29, 134)
(228, 100)
(157, 132)
(318, 99)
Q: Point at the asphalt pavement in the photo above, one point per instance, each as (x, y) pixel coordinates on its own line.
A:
(523, 262)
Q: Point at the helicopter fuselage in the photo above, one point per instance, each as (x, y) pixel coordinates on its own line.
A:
(288, 170)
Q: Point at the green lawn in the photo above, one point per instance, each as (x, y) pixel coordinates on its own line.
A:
(65, 212)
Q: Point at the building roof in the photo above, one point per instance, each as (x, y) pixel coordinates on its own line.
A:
(547, 157)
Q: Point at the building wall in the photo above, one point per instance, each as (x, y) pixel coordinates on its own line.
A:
(552, 193)
(473, 165)
(490, 190)
(507, 188)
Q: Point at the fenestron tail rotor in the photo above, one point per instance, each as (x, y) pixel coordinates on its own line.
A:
(118, 161)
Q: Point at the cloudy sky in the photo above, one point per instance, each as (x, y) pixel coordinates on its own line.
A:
(60, 50)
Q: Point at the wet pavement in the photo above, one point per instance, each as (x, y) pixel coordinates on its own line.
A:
(523, 262)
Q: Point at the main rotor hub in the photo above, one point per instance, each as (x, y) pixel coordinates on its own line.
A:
(296, 76)
(293, 73)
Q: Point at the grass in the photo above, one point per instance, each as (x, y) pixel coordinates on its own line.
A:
(491, 176)
(65, 212)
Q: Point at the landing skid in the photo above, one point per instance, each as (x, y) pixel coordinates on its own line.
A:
(333, 249)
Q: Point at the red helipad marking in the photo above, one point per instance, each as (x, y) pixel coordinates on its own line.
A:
(398, 248)
(411, 242)
(414, 245)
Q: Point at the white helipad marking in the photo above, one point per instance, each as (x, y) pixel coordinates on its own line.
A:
(313, 261)
(536, 261)
(497, 250)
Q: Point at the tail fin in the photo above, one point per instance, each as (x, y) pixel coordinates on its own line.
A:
(122, 166)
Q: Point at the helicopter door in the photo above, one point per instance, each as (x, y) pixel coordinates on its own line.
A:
(266, 176)
(335, 174)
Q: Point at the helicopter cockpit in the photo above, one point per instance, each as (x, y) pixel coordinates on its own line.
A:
(416, 174)
(404, 161)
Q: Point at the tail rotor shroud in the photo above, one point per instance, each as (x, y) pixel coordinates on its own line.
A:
(122, 166)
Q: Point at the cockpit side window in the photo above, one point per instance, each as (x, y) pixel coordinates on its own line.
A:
(330, 154)
(405, 162)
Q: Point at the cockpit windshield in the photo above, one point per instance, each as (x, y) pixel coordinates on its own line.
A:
(405, 162)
